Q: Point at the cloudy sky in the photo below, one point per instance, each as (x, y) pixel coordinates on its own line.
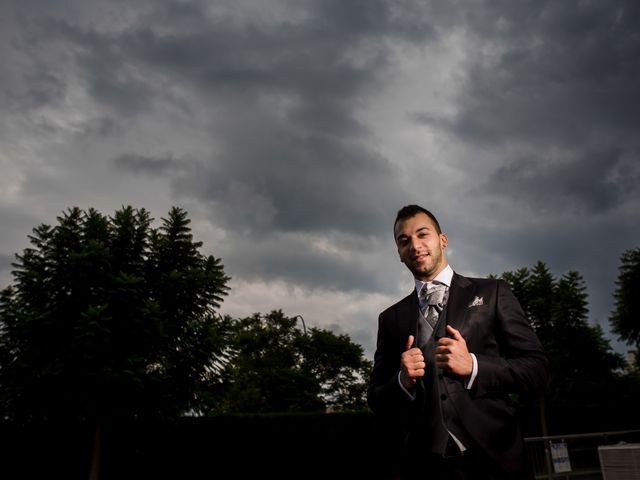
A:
(293, 130)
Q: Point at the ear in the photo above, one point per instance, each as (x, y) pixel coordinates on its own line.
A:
(444, 240)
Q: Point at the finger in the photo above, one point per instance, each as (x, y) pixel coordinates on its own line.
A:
(442, 349)
(414, 355)
(442, 362)
(416, 366)
(410, 342)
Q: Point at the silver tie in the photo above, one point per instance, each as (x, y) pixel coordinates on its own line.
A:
(433, 302)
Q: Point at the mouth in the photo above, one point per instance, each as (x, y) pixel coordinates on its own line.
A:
(420, 258)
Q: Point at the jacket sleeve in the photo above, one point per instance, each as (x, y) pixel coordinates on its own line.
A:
(510, 357)
(385, 396)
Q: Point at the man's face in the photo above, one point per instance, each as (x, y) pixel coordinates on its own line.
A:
(420, 246)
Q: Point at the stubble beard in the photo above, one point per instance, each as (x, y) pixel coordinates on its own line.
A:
(429, 269)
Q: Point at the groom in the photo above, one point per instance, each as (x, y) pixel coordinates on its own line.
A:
(447, 384)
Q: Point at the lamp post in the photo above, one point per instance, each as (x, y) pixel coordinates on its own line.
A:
(304, 327)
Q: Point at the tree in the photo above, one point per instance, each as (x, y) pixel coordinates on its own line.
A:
(625, 318)
(585, 371)
(581, 358)
(338, 366)
(274, 367)
(589, 365)
(108, 317)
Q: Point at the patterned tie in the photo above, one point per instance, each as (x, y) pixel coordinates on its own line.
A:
(433, 301)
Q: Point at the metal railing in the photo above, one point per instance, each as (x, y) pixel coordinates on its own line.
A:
(581, 453)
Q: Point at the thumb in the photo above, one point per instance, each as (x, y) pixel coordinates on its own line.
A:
(410, 342)
(455, 333)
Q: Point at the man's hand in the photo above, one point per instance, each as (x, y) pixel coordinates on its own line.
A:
(452, 354)
(412, 365)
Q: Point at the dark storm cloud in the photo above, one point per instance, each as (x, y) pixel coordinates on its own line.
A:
(299, 257)
(294, 129)
(559, 72)
(582, 181)
(27, 85)
(313, 184)
(550, 90)
(334, 54)
(283, 101)
(152, 166)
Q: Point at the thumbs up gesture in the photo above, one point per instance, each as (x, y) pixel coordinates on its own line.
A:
(412, 365)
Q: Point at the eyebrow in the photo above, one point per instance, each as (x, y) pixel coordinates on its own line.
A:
(403, 235)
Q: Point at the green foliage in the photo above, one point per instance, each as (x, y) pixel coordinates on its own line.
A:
(625, 318)
(274, 367)
(339, 367)
(108, 317)
(583, 365)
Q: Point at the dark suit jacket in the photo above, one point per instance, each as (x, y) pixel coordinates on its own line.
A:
(510, 360)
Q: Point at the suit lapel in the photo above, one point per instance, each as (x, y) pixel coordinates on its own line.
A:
(412, 305)
(460, 293)
(407, 314)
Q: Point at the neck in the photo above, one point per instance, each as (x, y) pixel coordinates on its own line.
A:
(430, 278)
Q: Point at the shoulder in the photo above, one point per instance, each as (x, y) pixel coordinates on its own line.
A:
(485, 286)
(400, 305)
(478, 281)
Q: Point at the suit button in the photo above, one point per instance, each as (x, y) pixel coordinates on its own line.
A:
(443, 397)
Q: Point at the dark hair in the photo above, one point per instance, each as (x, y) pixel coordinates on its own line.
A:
(409, 211)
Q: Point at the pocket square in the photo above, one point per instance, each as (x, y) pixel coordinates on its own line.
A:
(477, 301)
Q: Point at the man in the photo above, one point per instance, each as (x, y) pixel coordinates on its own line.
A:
(447, 381)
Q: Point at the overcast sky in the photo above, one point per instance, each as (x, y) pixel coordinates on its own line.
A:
(293, 130)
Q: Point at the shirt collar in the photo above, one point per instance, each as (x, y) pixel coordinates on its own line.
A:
(445, 276)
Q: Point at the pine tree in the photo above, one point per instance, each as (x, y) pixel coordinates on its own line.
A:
(625, 318)
(110, 318)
